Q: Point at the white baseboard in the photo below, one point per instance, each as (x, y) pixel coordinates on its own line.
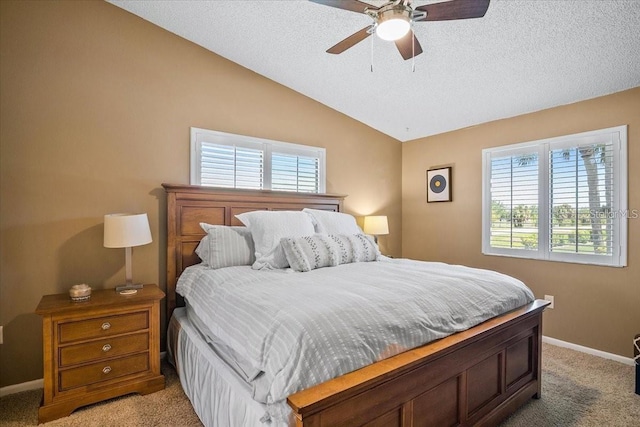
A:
(35, 384)
(588, 350)
(17, 388)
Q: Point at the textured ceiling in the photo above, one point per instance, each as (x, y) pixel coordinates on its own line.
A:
(523, 56)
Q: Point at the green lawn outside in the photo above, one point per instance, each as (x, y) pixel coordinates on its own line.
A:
(564, 238)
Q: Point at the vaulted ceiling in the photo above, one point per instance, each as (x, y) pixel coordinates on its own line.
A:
(522, 56)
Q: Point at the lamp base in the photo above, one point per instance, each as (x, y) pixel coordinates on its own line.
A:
(129, 287)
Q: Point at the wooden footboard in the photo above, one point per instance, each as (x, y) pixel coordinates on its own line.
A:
(476, 377)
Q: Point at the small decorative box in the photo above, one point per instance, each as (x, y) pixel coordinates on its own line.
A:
(80, 292)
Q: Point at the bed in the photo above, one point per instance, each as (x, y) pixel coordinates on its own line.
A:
(475, 377)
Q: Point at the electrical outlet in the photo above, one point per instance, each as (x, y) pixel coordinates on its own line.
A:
(550, 299)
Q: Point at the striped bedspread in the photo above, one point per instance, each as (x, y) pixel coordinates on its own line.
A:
(294, 330)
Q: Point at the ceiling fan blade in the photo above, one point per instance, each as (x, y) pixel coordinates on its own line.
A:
(454, 9)
(350, 41)
(405, 48)
(352, 5)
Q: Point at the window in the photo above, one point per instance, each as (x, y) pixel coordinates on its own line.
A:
(558, 199)
(226, 160)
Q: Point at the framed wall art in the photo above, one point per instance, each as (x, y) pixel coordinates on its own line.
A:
(439, 185)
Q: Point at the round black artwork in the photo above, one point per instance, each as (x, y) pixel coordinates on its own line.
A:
(437, 184)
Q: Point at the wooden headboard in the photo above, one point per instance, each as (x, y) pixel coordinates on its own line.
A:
(189, 205)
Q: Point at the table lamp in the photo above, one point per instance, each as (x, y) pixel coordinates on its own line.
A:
(376, 225)
(125, 230)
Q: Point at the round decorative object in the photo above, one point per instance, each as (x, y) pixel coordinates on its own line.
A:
(80, 292)
(437, 184)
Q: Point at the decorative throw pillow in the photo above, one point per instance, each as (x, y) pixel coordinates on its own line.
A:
(328, 250)
(310, 252)
(268, 228)
(355, 248)
(329, 222)
(225, 246)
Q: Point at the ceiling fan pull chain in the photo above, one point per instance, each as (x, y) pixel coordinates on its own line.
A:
(413, 49)
(372, 54)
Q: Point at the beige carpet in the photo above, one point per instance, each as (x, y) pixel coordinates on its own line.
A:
(577, 390)
(169, 407)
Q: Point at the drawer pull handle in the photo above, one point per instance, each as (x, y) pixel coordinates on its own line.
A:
(106, 369)
(106, 347)
(105, 326)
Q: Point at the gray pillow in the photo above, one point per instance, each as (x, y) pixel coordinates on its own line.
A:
(225, 246)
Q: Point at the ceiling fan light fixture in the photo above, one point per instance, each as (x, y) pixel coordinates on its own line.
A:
(393, 23)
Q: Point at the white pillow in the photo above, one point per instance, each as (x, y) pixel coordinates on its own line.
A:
(268, 228)
(328, 222)
(225, 246)
(322, 250)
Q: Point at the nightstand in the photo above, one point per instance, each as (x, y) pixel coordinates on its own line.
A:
(99, 349)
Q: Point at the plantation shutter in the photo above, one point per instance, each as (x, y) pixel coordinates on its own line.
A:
(234, 161)
(231, 166)
(291, 172)
(581, 211)
(581, 198)
(514, 196)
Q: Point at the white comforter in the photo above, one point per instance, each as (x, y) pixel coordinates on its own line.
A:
(294, 330)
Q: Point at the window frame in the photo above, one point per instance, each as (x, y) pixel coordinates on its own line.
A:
(543, 147)
(198, 136)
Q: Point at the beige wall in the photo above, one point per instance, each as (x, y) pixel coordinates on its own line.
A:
(96, 107)
(95, 110)
(596, 307)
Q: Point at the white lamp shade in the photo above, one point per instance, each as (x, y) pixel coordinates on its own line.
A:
(124, 230)
(376, 225)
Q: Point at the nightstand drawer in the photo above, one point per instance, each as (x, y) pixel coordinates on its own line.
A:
(103, 327)
(102, 349)
(103, 371)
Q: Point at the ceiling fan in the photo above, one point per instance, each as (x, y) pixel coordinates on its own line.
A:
(392, 20)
